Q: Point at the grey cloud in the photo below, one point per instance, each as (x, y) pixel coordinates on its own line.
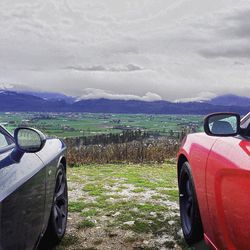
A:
(124, 48)
(239, 63)
(127, 68)
(91, 68)
(238, 24)
(230, 37)
(243, 52)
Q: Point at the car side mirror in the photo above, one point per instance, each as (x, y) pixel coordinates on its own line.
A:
(222, 124)
(29, 140)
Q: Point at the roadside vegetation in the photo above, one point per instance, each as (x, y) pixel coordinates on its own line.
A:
(123, 206)
(144, 151)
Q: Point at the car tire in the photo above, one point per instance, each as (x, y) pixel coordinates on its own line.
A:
(189, 207)
(59, 212)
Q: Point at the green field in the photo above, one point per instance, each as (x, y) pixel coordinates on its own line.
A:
(123, 207)
(86, 124)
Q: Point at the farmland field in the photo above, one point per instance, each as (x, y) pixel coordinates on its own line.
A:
(85, 124)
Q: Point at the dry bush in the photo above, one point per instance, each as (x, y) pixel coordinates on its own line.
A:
(144, 151)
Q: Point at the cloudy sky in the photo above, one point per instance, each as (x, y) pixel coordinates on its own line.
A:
(127, 49)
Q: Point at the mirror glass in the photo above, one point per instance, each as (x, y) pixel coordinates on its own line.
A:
(223, 124)
(28, 140)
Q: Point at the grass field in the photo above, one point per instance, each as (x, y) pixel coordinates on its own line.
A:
(79, 124)
(123, 207)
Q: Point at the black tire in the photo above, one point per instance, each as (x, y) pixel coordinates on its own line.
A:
(59, 212)
(189, 207)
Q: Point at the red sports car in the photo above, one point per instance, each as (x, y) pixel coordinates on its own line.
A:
(214, 183)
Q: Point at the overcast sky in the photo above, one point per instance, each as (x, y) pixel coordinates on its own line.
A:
(127, 49)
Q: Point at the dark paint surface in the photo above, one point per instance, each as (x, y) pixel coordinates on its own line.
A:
(26, 194)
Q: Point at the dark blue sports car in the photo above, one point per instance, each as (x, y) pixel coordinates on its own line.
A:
(33, 190)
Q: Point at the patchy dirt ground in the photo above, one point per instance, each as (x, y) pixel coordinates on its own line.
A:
(123, 207)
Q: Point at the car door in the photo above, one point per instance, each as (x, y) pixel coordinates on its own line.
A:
(228, 192)
(22, 195)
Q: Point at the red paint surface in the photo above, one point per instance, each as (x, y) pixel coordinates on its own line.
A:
(221, 172)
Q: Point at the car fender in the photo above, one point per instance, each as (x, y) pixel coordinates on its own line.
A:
(53, 153)
(196, 149)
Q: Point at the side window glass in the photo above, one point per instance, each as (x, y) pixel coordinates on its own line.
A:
(4, 141)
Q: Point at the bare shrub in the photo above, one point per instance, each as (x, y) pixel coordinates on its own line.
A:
(144, 151)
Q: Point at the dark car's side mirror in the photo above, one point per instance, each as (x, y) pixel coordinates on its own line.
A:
(222, 124)
(29, 140)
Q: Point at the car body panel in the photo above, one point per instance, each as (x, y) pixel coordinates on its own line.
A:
(228, 185)
(51, 156)
(22, 198)
(221, 172)
(26, 194)
(196, 149)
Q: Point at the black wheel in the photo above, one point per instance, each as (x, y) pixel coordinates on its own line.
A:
(189, 208)
(59, 212)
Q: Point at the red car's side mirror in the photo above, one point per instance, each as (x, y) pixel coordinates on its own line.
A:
(222, 124)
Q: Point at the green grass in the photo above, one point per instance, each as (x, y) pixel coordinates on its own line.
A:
(76, 206)
(142, 177)
(172, 194)
(149, 207)
(86, 224)
(89, 213)
(94, 189)
(117, 191)
(138, 190)
(140, 227)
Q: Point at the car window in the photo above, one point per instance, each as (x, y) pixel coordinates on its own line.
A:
(245, 124)
(245, 121)
(3, 141)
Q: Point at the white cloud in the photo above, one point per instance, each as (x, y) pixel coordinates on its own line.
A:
(201, 97)
(6, 86)
(90, 93)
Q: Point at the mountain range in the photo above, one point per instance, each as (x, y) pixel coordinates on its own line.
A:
(35, 101)
(231, 100)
